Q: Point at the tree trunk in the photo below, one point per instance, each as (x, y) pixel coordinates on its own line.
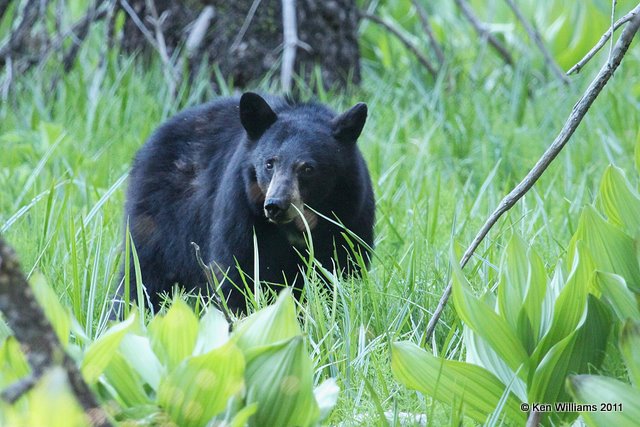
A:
(247, 46)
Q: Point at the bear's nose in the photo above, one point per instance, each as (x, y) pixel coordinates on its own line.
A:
(274, 208)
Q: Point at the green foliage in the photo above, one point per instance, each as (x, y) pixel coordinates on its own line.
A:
(193, 372)
(543, 330)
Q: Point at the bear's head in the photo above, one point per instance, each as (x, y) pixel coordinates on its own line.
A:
(296, 156)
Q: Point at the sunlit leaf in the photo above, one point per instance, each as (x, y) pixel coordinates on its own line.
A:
(126, 383)
(212, 333)
(173, 336)
(48, 300)
(614, 290)
(481, 354)
(100, 352)
(200, 387)
(485, 322)
(630, 349)
(272, 324)
(450, 381)
(569, 307)
(13, 363)
(279, 379)
(620, 202)
(137, 350)
(610, 248)
(577, 353)
(596, 390)
(52, 404)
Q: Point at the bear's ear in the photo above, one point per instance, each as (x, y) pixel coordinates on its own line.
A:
(255, 114)
(348, 125)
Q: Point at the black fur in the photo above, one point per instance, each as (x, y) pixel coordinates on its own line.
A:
(203, 176)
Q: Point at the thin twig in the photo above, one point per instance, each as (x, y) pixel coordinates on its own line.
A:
(31, 328)
(245, 25)
(613, 18)
(156, 20)
(409, 45)
(78, 39)
(620, 22)
(426, 26)
(289, 43)
(20, 30)
(139, 24)
(484, 32)
(534, 34)
(574, 119)
(209, 275)
(198, 31)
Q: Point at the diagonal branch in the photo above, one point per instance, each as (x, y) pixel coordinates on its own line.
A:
(424, 19)
(34, 332)
(484, 33)
(626, 18)
(534, 34)
(574, 119)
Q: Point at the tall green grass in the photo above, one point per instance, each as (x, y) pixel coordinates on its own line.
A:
(442, 154)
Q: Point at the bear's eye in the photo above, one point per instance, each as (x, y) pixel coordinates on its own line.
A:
(306, 169)
(269, 164)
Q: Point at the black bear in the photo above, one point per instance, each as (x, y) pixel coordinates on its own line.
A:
(225, 172)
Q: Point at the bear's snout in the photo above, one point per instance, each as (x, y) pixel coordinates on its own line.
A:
(275, 209)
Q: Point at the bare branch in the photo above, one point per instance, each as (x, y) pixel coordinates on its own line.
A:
(78, 38)
(484, 32)
(289, 43)
(22, 25)
(409, 45)
(426, 26)
(574, 119)
(534, 34)
(34, 332)
(620, 22)
(199, 29)
(245, 25)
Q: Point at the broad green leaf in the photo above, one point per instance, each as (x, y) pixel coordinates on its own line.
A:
(52, 404)
(521, 290)
(100, 352)
(48, 300)
(487, 324)
(611, 249)
(201, 386)
(479, 353)
(241, 418)
(173, 336)
(630, 349)
(514, 273)
(137, 350)
(280, 380)
(272, 324)
(595, 390)
(614, 290)
(13, 363)
(620, 202)
(570, 305)
(212, 333)
(126, 384)
(451, 381)
(576, 354)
